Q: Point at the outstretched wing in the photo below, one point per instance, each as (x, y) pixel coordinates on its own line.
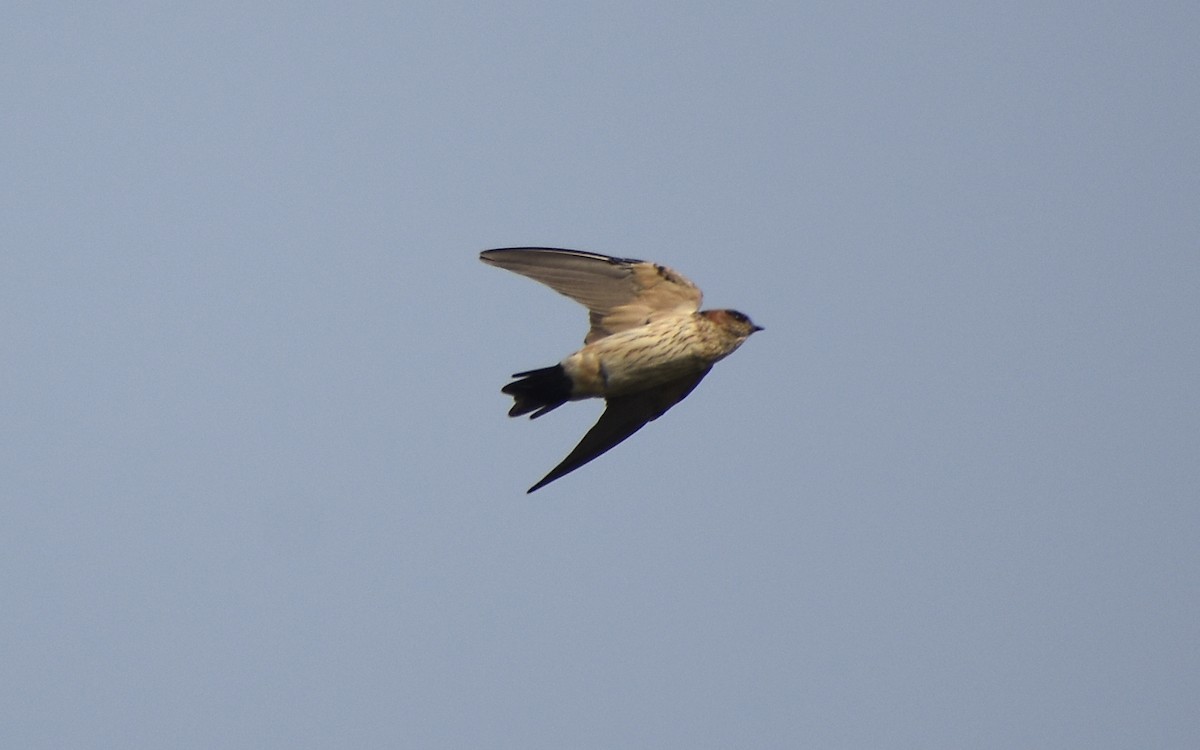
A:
(619, 293)
(622, 417)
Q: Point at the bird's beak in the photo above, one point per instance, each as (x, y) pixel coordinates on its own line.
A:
(756, 329)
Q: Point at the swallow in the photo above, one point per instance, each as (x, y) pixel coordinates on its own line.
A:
(648, 345)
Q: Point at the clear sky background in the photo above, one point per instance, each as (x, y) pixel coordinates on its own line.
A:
(259, 485)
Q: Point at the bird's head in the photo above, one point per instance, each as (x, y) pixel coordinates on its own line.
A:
(732, 322)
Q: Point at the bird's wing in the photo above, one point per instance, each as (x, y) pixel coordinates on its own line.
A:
(622, 417)
(619, 293)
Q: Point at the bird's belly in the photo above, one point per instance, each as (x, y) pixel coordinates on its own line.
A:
(630, 377)
(646, 357)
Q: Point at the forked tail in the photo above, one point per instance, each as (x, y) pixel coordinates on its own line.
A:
(538, 391)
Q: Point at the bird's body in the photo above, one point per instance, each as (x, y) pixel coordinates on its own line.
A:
(648, 347)
(647, 356)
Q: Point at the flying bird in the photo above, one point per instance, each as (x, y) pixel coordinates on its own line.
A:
(648, 346)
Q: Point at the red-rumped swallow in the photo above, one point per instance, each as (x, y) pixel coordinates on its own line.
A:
(649, 344)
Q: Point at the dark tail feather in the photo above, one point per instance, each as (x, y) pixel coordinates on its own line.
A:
(538, 391)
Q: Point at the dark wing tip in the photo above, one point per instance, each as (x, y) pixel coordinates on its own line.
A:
(490, 256)
(558, 472)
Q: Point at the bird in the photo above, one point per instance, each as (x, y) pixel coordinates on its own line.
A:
(647, 347)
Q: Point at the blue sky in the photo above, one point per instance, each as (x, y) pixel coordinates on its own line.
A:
(261, 488)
